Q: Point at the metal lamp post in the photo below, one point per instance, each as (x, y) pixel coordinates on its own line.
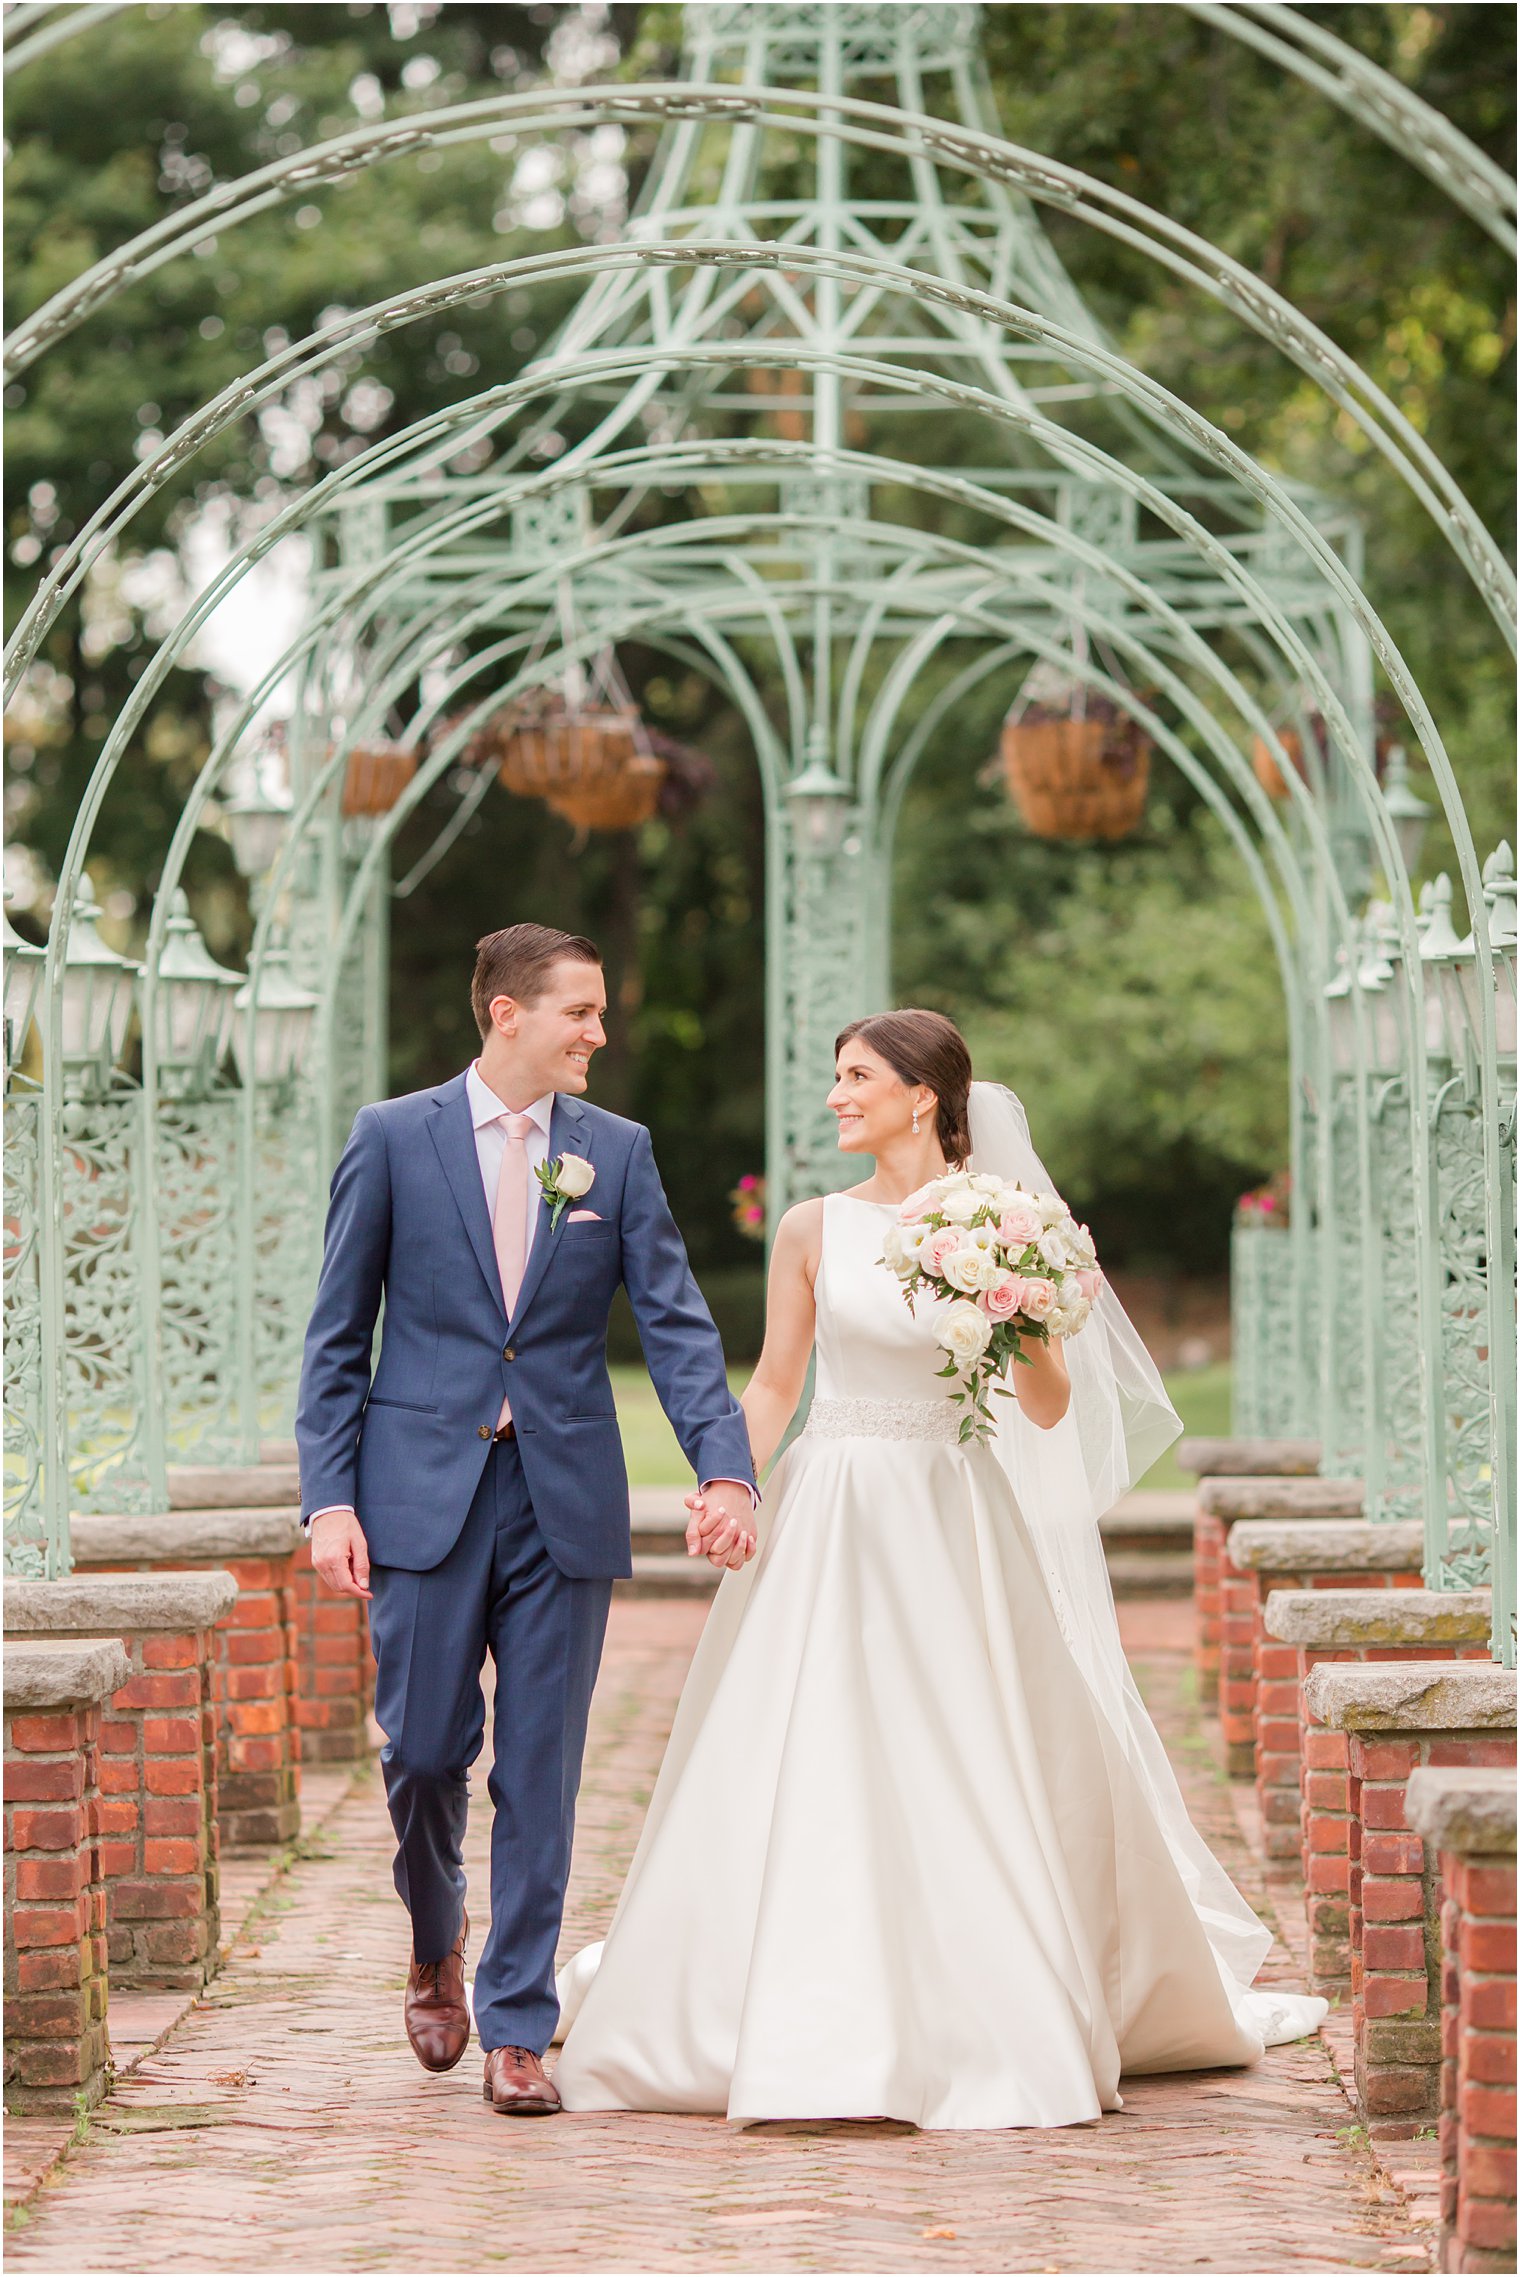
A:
(1408, 813)
(258, 817)
(282, 1015)
(1442, 958)
(23, 977)
(820, 800)
(194, 1002)
(95, 999)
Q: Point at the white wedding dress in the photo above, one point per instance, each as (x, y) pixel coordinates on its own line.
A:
(898, 1862)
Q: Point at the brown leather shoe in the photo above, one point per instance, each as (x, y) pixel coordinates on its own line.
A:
(437, 2011)
(518, 2086)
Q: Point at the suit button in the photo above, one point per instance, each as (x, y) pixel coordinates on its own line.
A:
(507, 1352)
(483, 1431)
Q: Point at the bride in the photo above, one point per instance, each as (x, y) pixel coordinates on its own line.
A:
(916, 1851)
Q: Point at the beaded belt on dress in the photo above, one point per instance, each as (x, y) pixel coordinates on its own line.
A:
(884, 1419)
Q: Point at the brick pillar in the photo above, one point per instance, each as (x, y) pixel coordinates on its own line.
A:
(1468, 1817)
(1399, 1718)
(1226, 1500)
(1207, 1458)
(1208, 1564)
(56, 2046)
(157, 1829)
(254, 1687)
(258, 1738)
(335, 1669)
(1314, 1628)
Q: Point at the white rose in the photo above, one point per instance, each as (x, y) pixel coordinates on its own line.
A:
(892, 1250)
(1052, 1248)
(1083, 1248)
(964, 1331)
(960, 1205)
(1051, 1208)
(574, 1176)
(963, 1269)
(1009, 1197)
(985, 1183)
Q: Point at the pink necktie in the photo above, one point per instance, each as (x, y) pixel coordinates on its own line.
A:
(509, 1221)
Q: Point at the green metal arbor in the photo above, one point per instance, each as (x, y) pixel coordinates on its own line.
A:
(830, 199)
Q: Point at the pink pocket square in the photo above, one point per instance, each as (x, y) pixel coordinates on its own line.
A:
(584, 1217)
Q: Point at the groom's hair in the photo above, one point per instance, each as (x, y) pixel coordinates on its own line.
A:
(517, 962)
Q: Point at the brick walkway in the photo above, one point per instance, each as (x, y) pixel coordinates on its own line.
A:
(284, 2126)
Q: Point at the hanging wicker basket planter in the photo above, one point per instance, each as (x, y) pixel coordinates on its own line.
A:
(1264, 764)
(588, 765)
(617, 802)
(1077, 779)
(376, 776)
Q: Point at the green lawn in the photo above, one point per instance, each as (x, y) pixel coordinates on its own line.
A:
(1201, 1397)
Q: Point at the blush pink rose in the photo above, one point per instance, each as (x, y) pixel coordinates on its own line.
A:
(938, 1247)
(1090, 1281)
(1019, 1225)
(1004, 1298)
(1039, 1298)
(917, 1206)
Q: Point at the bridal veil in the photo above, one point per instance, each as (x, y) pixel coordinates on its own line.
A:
(1065, 1480)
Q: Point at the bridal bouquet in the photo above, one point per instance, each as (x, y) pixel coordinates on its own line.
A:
(1009, 1267)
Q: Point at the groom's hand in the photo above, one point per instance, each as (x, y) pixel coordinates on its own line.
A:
(340, 1553)
(721, 1527)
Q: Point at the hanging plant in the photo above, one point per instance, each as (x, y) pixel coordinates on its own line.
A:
(376, 776)
(1077, 767)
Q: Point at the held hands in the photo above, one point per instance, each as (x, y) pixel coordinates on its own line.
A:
(721, 1527)
(339, 1552)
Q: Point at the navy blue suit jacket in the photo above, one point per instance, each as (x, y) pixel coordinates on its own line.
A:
(408, 1222)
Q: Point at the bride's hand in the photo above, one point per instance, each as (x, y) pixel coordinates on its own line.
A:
(726, 1541)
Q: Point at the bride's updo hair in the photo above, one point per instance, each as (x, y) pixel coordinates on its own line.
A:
(924, 1047)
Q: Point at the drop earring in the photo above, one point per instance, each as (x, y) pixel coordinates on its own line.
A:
(915, 1122)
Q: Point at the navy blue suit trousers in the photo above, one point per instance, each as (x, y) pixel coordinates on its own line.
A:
(497, 1591)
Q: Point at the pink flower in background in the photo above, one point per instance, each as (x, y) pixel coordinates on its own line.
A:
(938, 1247)
(748, 1201)
(1020, 1224)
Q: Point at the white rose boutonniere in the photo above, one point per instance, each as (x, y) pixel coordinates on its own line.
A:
(564, 1182)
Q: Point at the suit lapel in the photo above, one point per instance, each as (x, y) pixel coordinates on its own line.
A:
(568, 1130)
(454, 1136)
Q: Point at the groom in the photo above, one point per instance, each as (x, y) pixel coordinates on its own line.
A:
(473, 1488)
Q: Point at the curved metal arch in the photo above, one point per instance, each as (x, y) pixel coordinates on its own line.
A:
(1172, 518)
(985, 157)
(1252, 477)
(1419, 133)
(681, 604)
(1274, 500)
(1184, 524)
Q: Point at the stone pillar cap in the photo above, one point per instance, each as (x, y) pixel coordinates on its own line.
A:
(1353, 1617)
(1346, 1545)
(165, 1536)
(62, 1673)
(1412, 1695)
(1464, 1808)
(1289, 1458)
(232, 1486)
(89, 1603)
(1267, 1497)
